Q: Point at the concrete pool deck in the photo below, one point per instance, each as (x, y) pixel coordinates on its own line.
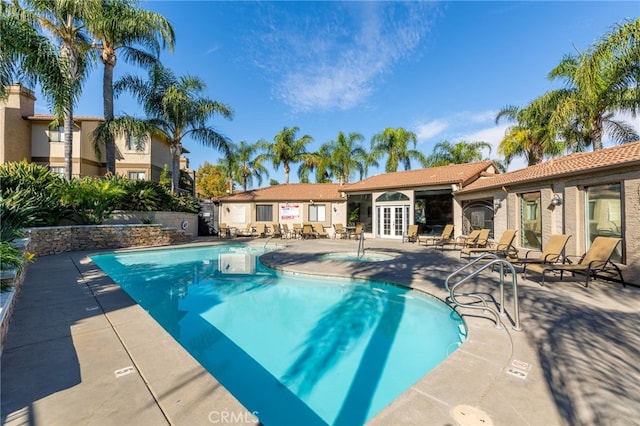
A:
(80, 351)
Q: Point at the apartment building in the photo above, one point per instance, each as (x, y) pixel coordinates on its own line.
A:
(35, 138)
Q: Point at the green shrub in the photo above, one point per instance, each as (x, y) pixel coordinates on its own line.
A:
(185, 203)
(33, 187)
(143, 195)
(92, 199)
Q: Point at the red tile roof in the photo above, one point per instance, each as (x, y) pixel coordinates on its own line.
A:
(461, 174)
(49, 117)
(626, 155)
(290, 192)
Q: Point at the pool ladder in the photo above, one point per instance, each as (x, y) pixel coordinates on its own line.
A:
(495, 261)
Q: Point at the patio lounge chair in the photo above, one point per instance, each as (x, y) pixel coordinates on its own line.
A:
(260, 231)
(504, 247)
(286, 232)
(246, 232)
(275, 230)
(411, 235)
(307, 231)
(297, 230)
(319, 230)
(551, 253)
(447, 235)
(596, 259)
(477, 238)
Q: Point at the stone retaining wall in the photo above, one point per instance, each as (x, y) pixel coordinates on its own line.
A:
(61, 239)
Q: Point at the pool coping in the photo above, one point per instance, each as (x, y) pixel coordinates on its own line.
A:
(175, 389)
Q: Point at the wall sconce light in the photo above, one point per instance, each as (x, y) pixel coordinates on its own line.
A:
(228, 210)
(556, 200)
(311, 201)
(497, 204)
(335, 210)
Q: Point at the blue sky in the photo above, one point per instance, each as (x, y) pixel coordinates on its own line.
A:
(439, 69)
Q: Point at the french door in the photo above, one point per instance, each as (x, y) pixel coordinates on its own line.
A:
(392, 221)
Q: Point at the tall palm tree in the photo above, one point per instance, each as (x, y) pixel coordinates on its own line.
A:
(460, 152)
(139, 35)
(175, 109)
(599, 83)
(346, 155)
(28, 57)
(64, 21)
(286, 149)
(529, 137)
(395, 143)
(247, 164)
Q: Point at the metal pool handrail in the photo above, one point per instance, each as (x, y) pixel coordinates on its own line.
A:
(360, 252)
(496, 261)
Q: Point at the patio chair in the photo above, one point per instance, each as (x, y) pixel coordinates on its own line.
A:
(260, 231)
(339, 231)
(358, 231)
(297, 230)
(307, 231)
(319, 230)
(411, 235)
(223, 230)
(275, 230)
(444, 238)
(596, 259)
(551, 253)
(477, 238)
(504, 247)
(286, 232)
(246, 232)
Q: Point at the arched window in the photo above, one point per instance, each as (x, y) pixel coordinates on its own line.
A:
(392, 196)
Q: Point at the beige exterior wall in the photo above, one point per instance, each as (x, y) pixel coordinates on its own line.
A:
(15, 131)
(238, 215)
(570, 217)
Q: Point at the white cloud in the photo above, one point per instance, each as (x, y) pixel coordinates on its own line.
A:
(430, 129)
(333, 60)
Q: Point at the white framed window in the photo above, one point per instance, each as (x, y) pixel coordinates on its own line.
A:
(56, 134)
(57, 171)
(137, 144)
(137, 176)
(317, 213)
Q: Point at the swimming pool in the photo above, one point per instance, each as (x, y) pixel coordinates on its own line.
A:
(293, 349)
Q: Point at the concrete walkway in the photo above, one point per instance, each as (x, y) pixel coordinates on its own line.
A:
(79, 351)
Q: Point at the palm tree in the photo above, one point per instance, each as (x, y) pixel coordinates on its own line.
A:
(599, 83)
(247, 166)
(175, 110)
(395, 144)
(123, 27)
(347, 155)
(460, 152)
(28, 56)
(64, 21)
(529, 137)
(286, 149)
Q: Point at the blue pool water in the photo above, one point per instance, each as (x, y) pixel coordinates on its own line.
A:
(292, 349)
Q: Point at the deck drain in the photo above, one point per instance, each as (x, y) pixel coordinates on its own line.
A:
(124, 371)
(467, 415)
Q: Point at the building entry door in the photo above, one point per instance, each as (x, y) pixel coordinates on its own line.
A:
(392, 221)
